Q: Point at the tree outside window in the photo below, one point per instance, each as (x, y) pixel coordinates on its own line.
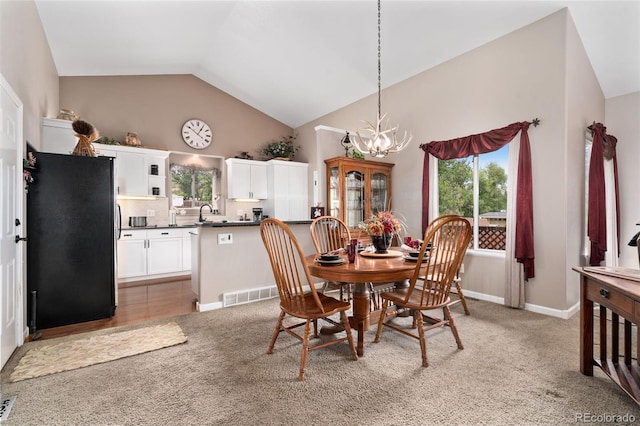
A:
(476, 188)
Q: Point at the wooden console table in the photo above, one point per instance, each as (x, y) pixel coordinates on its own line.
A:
(622, 298)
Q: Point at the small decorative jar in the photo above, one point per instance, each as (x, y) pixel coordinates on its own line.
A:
(67, 114)
(132, 139)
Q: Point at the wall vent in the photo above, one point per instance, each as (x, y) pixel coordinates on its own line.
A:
(248, 296)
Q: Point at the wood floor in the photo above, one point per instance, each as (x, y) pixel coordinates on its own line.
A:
(137, 302)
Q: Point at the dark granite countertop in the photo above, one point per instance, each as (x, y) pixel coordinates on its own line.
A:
(220, 224)
(131, 228)
(246, 223)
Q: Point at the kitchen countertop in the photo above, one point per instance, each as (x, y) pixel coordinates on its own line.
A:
(131, 228)
(212, 224)
(246, 223)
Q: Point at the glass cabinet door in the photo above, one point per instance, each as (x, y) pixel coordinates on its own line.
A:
(334, 192)
(354, 200)
(379, 192)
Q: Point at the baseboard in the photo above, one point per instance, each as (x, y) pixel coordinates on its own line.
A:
(200, 307)
(262, 293)
(558, 313)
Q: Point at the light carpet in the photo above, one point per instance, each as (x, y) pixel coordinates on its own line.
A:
(517, 368)
(91, 350)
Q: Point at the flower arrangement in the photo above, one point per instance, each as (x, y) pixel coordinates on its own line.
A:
(284, 148)
(381, 223)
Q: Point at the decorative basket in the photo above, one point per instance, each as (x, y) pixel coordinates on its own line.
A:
(84, 148)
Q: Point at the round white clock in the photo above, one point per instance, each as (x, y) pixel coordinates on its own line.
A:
(197, 134)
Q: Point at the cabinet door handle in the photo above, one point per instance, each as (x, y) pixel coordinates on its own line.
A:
(164, 233)
(604, 293)
(127, 235)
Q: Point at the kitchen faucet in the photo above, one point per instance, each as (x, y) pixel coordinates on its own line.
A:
(200, 218)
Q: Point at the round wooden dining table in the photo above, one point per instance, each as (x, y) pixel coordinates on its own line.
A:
(367, 268)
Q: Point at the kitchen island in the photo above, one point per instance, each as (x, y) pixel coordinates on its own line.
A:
(230, 264)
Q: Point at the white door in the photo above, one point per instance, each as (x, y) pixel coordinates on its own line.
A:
(10, 222)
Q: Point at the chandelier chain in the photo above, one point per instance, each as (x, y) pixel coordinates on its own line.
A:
(379, 62)
(382, 138)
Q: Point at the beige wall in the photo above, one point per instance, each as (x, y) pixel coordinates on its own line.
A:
(518, 77)
(156, 107)
(623, 121)
(27, 65)
(585, 104)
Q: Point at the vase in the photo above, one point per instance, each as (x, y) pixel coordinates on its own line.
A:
(382, 243)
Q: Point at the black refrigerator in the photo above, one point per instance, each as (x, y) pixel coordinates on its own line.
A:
(71, 240)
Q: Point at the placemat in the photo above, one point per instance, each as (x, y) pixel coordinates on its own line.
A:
(389, 253)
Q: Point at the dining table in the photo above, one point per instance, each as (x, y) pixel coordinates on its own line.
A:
(369, 267)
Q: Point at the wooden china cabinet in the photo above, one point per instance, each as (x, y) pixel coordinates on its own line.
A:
(357, 189)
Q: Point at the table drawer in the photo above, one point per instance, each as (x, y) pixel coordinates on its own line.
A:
(611, 299)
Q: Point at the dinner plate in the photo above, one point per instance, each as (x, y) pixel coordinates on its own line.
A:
(414, 259)
(331, 262)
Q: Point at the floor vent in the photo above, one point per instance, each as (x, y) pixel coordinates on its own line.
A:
(248, 296)
(5, 407)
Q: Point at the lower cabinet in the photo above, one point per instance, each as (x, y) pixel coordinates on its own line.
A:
(148, 252)
(132, 254)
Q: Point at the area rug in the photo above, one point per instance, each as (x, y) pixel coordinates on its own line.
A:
(73, 354)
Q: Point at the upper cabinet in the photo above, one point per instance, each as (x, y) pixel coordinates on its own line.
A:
(57, 136)
(246, 179)
(287, 190)
(139, 171)
(357, 189)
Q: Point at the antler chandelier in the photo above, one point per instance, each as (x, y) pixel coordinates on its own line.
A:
(382, 139)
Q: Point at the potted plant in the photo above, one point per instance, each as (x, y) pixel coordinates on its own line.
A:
(283, 149)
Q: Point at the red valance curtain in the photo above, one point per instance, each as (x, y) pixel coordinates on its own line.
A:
(481, 144)
(603, 146)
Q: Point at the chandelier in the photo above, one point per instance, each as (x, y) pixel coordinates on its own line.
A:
(382, 139)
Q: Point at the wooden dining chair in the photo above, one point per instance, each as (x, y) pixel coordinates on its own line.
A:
(457, 287)
(328, 234)
(449, 240)
(298, 295)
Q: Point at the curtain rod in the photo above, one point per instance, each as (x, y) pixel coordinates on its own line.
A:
(535, 122)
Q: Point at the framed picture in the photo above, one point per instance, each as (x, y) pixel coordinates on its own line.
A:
(317, 212)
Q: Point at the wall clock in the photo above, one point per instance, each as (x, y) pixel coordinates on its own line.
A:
(197, 134)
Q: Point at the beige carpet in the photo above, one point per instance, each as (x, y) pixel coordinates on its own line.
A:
(517, 368)
(69, 355)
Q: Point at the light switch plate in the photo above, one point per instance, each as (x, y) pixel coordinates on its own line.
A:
(225, 238)
(151, 213)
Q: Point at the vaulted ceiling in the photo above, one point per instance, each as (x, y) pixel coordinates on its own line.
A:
(297, 60)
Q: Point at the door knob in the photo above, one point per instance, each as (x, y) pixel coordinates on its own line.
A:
(18, 239)
(17, 222)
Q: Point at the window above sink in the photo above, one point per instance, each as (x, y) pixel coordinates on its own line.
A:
(195, 180)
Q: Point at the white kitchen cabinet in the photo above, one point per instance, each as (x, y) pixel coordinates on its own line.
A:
(140, 173)
(164, 251)
(138, 170)
(186, 248)
(132, 173)
(246, 179)
(132, 253)
(287, 191)
(58, 136)
(148, 252)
